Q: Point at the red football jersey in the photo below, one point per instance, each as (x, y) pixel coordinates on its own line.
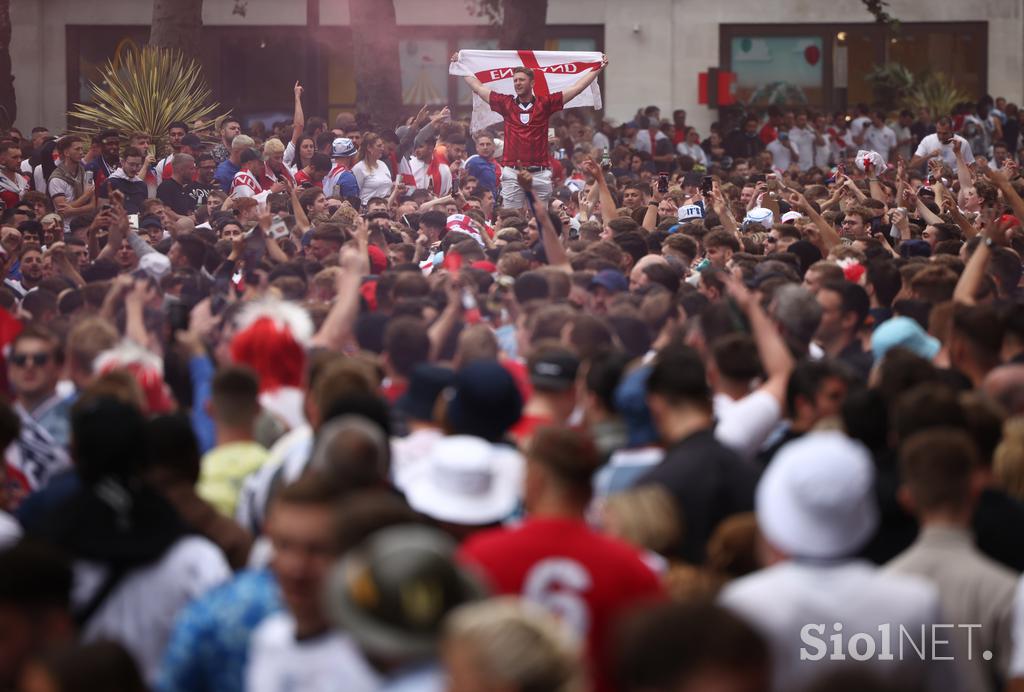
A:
(526, 127)
(585, 578)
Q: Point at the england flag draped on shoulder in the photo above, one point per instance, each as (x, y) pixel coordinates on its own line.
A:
(554, 70)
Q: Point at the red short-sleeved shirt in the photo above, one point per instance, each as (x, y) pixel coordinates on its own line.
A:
(526, 128)
(585, 578)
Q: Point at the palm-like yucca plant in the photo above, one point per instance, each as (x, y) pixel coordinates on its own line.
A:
(150, 89)
(936, 92)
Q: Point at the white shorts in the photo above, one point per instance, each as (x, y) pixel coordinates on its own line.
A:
(512, 196)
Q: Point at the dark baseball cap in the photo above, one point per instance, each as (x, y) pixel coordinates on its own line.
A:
(553, 370)
(610, 279)
(191, 141)
(150, 221)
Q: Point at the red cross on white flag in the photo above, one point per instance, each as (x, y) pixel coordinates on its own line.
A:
(553, 71)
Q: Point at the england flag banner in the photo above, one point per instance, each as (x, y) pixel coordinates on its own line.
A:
(553, 71)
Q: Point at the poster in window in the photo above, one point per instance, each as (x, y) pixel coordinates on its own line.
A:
(424, 64)
(778, 70)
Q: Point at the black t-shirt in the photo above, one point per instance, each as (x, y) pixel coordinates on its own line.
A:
(200, 193)
(176, 196)
(709, 482)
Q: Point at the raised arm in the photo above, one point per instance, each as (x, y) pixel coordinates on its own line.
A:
(583, 82)
(963, 171)
(829, 237)
(298, 119)
(475, 84)
(771, 348)
(1010, 196)
(302, 223)
(337, 327)
(553, 249)
(605, 195)
(974, 272)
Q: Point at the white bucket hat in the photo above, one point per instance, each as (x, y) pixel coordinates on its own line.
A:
(759, 215)
(466, 480)
(817, 497)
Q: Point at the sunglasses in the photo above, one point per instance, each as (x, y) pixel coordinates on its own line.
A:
(37, 359)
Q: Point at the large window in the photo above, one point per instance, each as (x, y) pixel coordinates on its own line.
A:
(824, 65)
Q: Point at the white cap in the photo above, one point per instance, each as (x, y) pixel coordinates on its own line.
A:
(688, 212)
(155, 264)
(343, 146)
(465, 480)
(791, 216)
(817, 497)
(759, 215)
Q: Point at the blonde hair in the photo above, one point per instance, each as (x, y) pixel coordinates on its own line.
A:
(516, 644)
(1008, 461)
(645, 517)
(272, 146)
(369, 139)
(243, 142)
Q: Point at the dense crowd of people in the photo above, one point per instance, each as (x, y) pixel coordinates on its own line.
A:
(558, 405)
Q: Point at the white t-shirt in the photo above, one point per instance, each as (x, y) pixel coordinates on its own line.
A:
(141, 610)
(285, 460)
(930, 144)
(903, 133)
(39, 180)
(881, 140)
(375, 183)
(409, 453)
(781, 600)
(744, 424)
(782, 154)
(824, 152)
(330, 662)
(643, 140)
(694, 151)
(58, 186)
(858, 124)
(600, 141)
(802, 139)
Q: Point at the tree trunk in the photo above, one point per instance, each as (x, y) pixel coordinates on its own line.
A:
(522, 24)
(375, 58)
(8, 102)
(177, 24)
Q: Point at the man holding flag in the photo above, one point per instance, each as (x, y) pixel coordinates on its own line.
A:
(526, 116)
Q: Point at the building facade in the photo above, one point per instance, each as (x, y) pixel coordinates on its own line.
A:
(798, 52)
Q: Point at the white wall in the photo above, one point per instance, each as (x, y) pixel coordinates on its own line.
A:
(656, 47)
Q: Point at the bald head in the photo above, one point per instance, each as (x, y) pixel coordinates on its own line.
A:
(1005, 385)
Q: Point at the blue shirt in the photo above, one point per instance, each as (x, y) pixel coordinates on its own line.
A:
(200, 370)
(483, 170)
(209, 646)
(226, 174)
(347, 184)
